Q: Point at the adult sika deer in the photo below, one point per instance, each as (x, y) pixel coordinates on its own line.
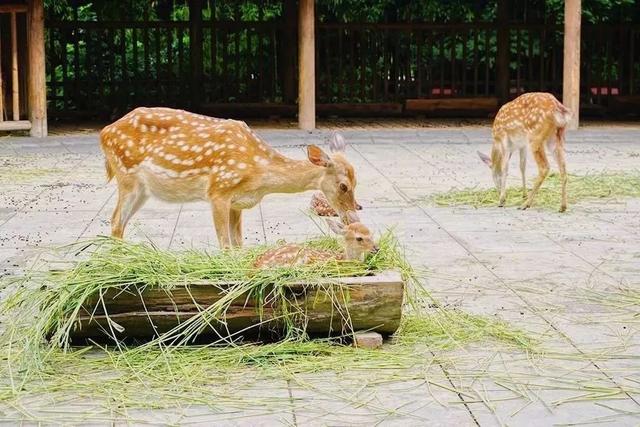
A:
(536, 120)
(180, 157)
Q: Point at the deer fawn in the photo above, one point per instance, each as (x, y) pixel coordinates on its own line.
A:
(179, 157)
(535, 119)
(358, 242)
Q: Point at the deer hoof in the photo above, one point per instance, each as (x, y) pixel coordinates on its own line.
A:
(524, 206)
(562, 209)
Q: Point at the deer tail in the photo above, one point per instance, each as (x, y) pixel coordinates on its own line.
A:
(561, 115)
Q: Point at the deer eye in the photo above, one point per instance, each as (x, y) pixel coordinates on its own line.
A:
(359, 239)
(344, 187)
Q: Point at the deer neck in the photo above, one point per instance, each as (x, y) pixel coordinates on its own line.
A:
(292, 176)
(351, 254)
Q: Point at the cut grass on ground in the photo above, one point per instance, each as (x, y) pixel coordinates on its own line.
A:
(579, 188)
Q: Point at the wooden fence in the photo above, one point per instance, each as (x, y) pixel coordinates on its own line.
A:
(103, 68)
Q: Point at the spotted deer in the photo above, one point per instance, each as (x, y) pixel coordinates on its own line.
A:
(358, 242)
(536, 120)
(178, 156)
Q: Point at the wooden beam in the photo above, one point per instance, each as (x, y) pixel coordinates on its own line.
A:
(306, 66)
(37, 76)
(369, 109)
(13, 8)
(15, 86)
(502, 52)
(571, 67)
(15, 125)
(437, 104)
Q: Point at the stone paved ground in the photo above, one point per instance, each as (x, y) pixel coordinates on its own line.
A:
(535, 269)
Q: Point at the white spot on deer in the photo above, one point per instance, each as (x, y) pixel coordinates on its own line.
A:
(169, 157)
(129, 143)
(208, 152)
(242, 148)
(176, 161)
(231, 146)
(127, 153)
(143, 128)
(242, 165)
(231, 162)
(237, 181)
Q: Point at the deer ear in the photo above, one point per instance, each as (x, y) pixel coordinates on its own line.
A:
(318, 157)
(485, 158)
(336, 227)
(337, 143)
(352, 217)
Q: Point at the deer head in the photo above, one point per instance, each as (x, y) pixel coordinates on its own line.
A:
(358, 239)
(338, 182)
(493, 162)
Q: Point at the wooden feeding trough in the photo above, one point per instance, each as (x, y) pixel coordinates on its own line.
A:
(372, 302)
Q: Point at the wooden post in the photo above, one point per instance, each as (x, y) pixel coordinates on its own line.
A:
(502, 52)
(195, 48)
(15, 85)
(306, 66)
(36, 79)
(571, 67)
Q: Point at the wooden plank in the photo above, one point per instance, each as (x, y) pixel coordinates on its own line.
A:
(373, 303)
(306, 68)
(13, 8)
(15, 86)
(361, 109)
(15, 125)
(248, 109)
(430, 105)
(571, 66)
(37, 75)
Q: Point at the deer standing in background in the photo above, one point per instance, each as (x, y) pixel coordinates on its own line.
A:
(358, 242)
(180, 157)
(536, 120)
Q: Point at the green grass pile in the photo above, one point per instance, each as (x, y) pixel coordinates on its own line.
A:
(166, 372)
(579, 188)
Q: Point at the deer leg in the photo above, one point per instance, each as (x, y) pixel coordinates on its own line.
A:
(235, 223)
(540, 157)
(523, 169)
(504, 172)
(131, 197)
(559, 155)
(221, 216)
